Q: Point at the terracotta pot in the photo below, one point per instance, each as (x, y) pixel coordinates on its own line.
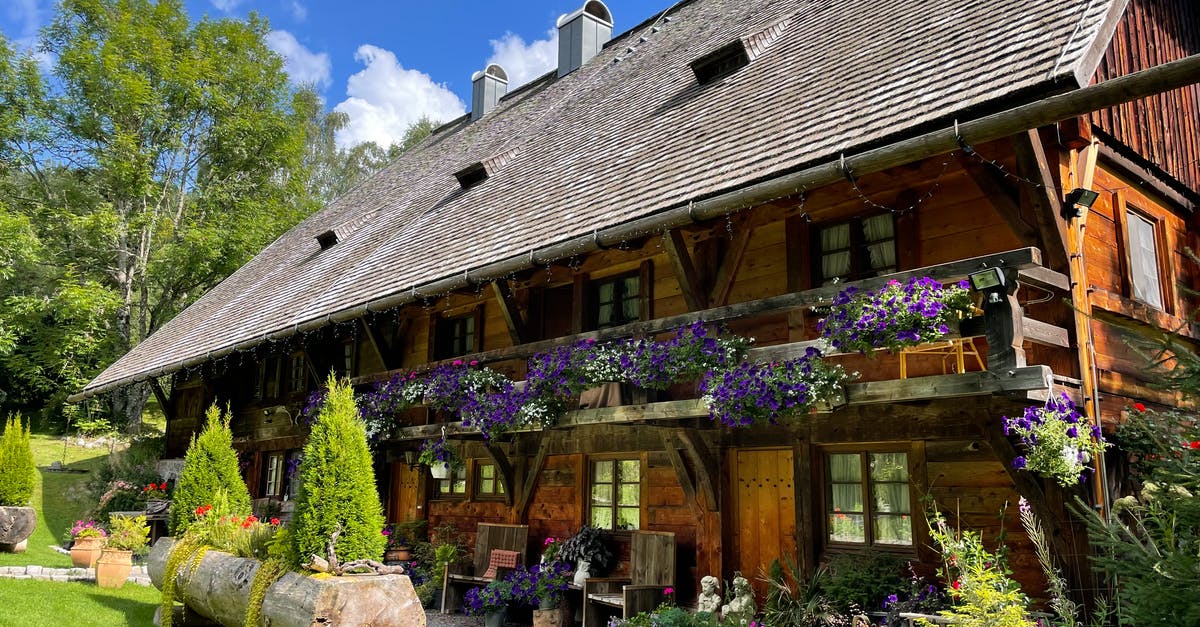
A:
(86, 551)
(112, 569)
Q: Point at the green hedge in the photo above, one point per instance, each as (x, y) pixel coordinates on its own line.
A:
(18, 475)
(210, 464)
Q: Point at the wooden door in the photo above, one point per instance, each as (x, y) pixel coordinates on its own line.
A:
(763, 512)
(406, 503)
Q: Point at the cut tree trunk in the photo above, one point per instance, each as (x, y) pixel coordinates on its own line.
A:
(16, 524)
(219, 589)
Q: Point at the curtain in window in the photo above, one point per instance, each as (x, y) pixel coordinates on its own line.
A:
(880, 234)
(1143, 257)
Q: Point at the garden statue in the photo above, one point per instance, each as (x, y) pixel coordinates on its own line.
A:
(710, 598)
(740, 611)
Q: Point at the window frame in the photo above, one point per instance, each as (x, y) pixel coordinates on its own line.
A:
(593, 299)
(1161, 253)
(859, 261)
(439, 325)
(455, 473)
(297, 373)
(273, 464)
(590, 461)
(824, 496)
(476, 481)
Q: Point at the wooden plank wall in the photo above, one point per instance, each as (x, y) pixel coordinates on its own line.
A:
(1164, 129)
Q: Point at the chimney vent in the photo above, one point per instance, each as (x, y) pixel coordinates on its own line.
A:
(487, 88)
(582, 34)
(327, 239)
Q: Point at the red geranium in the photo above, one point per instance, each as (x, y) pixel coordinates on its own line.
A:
(1139, 407)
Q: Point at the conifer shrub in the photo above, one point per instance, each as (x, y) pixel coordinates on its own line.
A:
(18, 475)
(210, 465)
(337, 486)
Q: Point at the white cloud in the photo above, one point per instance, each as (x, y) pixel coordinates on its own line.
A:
(385, 98)
(299, 11)
(28, 15)
(301, 64)
(525, 62)
(226, 5)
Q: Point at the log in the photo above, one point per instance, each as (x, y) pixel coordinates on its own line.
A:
(219, 590)
(16, 524)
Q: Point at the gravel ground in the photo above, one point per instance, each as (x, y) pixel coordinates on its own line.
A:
(434, 618)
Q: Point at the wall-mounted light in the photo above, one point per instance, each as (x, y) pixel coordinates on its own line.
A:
(410, 458)
(990, 282)
(271, 412)
(1077, 202)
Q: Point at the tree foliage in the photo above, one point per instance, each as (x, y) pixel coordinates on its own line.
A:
(337, 486)
(18, 475)
(209, 466)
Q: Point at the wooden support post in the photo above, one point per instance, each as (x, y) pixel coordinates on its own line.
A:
(518, 330)
(693, 290)
(373, 340)
(681, 473)
(1004, 332)
(504, 471)
(167, 408)
(1033, 165)
(530, 480)
(707, 469)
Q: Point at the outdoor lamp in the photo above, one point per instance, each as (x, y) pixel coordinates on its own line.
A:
(1078, 201)
(990, 282)
(410, 458)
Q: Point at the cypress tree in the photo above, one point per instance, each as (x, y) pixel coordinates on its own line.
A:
(18, 475)
(337, 486)
(210, 464)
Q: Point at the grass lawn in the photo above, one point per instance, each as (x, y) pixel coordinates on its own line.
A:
(32, 603)
(55, 511)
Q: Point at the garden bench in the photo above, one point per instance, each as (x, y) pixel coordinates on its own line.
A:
(489, 538)
(651, 571)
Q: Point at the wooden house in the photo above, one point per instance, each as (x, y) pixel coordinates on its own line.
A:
(740, 161)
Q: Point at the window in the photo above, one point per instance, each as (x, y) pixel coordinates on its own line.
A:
(454, 336)
(1144, 279)
(344, 362)
(291, 473)
(616, 301)
(868, 486)
(297, 381)
(721, 62)
(267, 379)
(616, 494)
(486, 483)
(453, 486)
(853, 250)
(274, 474)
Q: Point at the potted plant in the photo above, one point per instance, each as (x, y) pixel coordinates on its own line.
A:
(589, 550)
(18, 476)
(546, 584)
(1057, 439)
(400, 538)
(439, 457)
(155, 495)
(128, 534)
(88, 539)
(491, 602)
(896, 316)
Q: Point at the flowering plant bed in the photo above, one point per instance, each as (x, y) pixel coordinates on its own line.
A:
(899, 315)
(763, 393)
(1057, 440)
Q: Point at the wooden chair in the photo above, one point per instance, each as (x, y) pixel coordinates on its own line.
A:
(488, 537)
(651, 570)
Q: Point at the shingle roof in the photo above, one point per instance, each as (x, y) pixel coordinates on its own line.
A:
(622, 139)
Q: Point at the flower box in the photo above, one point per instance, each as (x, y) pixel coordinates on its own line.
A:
(218, 588)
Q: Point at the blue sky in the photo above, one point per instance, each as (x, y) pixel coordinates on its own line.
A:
(386, 63)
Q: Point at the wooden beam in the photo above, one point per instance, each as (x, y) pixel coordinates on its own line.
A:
(1044, 278)
(821, 296)
(518, 330)
(504, 470)
(723, 282)
(373, 340)
(1004, 332)
(1044, 333)
(1032, 164)
(681, 474)
(1004, 197)
(530, 480)
(694, 294)
(705, 463)
(167, 408)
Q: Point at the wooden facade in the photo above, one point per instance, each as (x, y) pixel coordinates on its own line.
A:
(737, 498)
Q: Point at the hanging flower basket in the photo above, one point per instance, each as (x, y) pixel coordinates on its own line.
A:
(1058, 441)
(439, 457)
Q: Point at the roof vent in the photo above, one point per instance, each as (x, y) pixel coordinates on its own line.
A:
(479, 171)
(582, 34)
(327, 239)
(487, 88)
(721, 62)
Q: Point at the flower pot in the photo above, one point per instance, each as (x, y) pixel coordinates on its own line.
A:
(582, 572)
(157, 506)
(86, 551)
(552, 617)
(16, 524)
(439, 471)
(496, 619)
(112, 569)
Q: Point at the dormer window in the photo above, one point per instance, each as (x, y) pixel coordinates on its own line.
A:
(327, 239)
(721, 62)
(471, 175)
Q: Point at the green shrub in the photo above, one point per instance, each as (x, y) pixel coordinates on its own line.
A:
(18, 475)
(337, 486)
(210, 465)
(861, 581)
